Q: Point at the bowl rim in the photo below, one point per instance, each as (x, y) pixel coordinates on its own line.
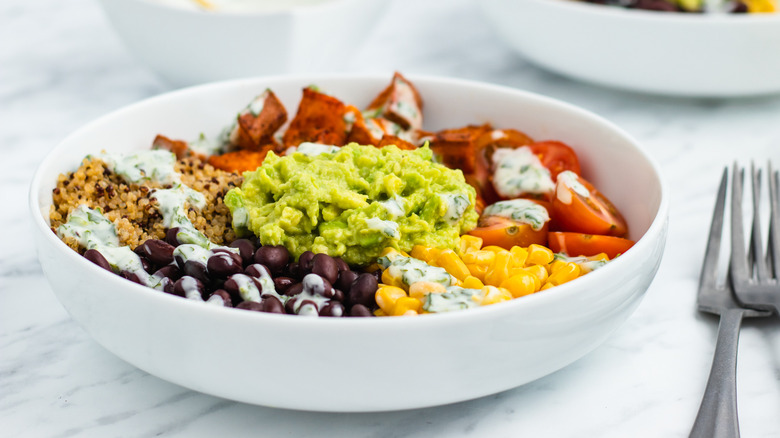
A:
(654, 17)
(295, 9)
(634, 255)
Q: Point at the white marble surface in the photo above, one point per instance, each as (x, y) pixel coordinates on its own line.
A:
(61, 66)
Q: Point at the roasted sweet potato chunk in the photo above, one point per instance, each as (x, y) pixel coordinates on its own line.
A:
(400, 103)
(179, 147)
(320, 119)
(240, 161)
(457, 147)
(387, 140)
(261, 119)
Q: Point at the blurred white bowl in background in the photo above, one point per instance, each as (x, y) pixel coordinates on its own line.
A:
(707, 55)
(187, 45)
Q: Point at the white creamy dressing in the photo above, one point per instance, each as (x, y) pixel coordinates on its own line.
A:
(387, 228)
(350, 118)
(457, 204)
(497, 134)
(375, 128)
(394, 207)
(170, 204)
(313, 288)
(518, 172)
(193, 252)
(236, 6)
(314, 149)
(246, 287)
(155, 165)
(586, 265)
(205, 146)
(570, 180)
(456, 298)
(412, 270)
(94, 231)
(521, 210)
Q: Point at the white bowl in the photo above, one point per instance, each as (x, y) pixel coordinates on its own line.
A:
(359, 364)
(187, 47)
(715, 55)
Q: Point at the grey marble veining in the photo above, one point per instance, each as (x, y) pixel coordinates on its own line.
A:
(62, 66)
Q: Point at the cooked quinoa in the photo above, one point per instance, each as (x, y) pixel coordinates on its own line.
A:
(129, 205)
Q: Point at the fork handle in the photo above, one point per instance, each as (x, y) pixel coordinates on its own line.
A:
(717, 417)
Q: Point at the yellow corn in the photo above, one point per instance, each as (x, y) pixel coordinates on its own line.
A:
(519, 256)
(539, 255)
(480, 257)
(393, 280)
(469, 243)
(520, 284)
(405, 305)
(493, 248)
(387, 251)
(478, 271)
(499, 270)
(453, 264)
(493, 295)
(563, 272)
(472, 282)
(537, 271)
(387, 297)
(761, 6)
(425, 253)
(420, 289)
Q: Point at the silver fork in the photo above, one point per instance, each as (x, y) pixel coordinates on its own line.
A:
(755, 276)
(717, 417)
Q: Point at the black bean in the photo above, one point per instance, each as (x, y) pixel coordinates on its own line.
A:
(97, 258)
(224, 264)
(307, 307)
(132, 277)
(326, 267)
(293, 290)
(167, 285)
(289, 306)
(170, 236)
(226, 300)
(157, 251)
(318, 285)
(360, 310)
(257, 270)
(245, 248)
(187, 286)
(305, 261)
(169, 271)
(377, 274)
(272, 304)
(346, 278)
(197, 270)
(343, 266)
(274, 257)
(363, 290)
(294, 270)
(250, 305)
(333, 308)
(281, 284)
(337, 295)
(147, 265)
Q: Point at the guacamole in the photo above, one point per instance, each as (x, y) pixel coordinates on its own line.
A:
(353, 202)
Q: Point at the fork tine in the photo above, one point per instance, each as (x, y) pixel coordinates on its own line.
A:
(756, 247)
(739, 266)
(709, 266)
(774, 221)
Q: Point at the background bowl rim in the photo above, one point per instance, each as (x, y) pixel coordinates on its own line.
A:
(657, 17)
(633, 255)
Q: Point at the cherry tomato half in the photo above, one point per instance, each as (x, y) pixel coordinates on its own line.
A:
(506, 233)
(591, 214)
(578, 244)
(556, 157)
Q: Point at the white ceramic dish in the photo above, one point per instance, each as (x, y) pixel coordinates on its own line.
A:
(186, 46)
(359, 364)
(715, 55)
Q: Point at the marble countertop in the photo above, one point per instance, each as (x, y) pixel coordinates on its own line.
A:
(61, 66)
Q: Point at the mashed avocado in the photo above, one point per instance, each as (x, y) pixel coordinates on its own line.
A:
(354, 202)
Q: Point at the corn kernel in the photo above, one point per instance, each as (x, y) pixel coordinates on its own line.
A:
(539, 255)
(563, 273)
(499, 270)
(472, 282)
(493, 295)
(387, 251)
(379, 312)
(520, 284)
(419, 289)
(424, 253)
(407, 304)
(453, 264)
(469, 244)
(538, 271)
(410, 313)
(519, 256)
(547, 286)
(478, 271)
(493, 248)
(393, 280)
(387, 297)
(479, 257)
